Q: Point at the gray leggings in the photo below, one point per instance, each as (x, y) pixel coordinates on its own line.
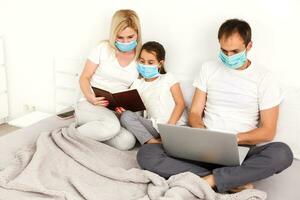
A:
(140, 127)
(261, 162)
(101, 124)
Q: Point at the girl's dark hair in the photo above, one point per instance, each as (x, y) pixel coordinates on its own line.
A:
(232, 26)
(159, 51)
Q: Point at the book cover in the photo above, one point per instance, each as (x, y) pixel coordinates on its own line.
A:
(129, 99)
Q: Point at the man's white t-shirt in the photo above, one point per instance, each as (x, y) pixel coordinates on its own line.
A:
(110, 75)
(236, 97)
(158, 98)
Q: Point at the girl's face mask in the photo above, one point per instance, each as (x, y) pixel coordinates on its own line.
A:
(148, 71)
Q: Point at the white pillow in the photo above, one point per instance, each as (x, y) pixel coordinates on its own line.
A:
(288, 126)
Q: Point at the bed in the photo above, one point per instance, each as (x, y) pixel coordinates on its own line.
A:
(277, 187)
(11, 142)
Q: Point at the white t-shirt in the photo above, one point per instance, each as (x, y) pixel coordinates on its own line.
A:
(235, 97)
(158, 98)
(110, 75)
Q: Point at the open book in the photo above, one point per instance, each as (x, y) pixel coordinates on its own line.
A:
(129, 100)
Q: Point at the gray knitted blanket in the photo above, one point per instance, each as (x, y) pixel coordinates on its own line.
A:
(66, 166)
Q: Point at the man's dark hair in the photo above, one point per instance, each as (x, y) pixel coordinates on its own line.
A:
(233, 26)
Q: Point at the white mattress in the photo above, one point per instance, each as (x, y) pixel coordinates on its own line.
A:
(281, 186)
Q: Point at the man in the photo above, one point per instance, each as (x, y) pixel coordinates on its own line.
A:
(233, 94)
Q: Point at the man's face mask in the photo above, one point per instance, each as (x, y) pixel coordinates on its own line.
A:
(235, 61)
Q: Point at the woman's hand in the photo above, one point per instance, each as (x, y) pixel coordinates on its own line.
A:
(119, 110)
(97, 101)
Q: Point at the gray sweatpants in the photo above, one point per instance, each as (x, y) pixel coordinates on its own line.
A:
(140, 127)
(261, 162)
(101, 124)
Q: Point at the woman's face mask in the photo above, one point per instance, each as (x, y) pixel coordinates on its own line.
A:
(126, 47)
(126, 39)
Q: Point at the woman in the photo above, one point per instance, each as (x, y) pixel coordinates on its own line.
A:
(110, 66)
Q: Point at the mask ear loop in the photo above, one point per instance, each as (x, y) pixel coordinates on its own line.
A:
(161, 66)
(159, 69)
(140, 76)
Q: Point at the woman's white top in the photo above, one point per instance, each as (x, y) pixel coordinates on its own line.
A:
(110, 75)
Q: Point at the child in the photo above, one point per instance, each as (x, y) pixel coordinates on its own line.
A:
(160, 93)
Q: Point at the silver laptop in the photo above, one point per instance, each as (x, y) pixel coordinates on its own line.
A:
(202, 145)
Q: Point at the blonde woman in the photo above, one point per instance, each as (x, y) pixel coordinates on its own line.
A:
(110, 66)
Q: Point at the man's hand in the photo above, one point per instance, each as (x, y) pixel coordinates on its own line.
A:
(267, 130)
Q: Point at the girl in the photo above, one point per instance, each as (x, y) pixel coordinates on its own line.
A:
(160, 93)
(110, 66)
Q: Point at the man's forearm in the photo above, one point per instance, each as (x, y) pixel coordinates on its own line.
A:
(256, 136)
(195, 121)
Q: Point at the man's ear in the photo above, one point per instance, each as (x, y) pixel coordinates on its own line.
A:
(249, 46)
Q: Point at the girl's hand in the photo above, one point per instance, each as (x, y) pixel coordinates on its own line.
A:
(119, 110)
(98, 101)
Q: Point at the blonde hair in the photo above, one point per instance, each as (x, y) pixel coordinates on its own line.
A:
(121, 20)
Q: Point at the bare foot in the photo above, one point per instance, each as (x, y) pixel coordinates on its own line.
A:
(210, 179)
(242, 187)
(154, 141)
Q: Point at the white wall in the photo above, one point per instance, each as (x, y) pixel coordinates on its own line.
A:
(36, 31)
